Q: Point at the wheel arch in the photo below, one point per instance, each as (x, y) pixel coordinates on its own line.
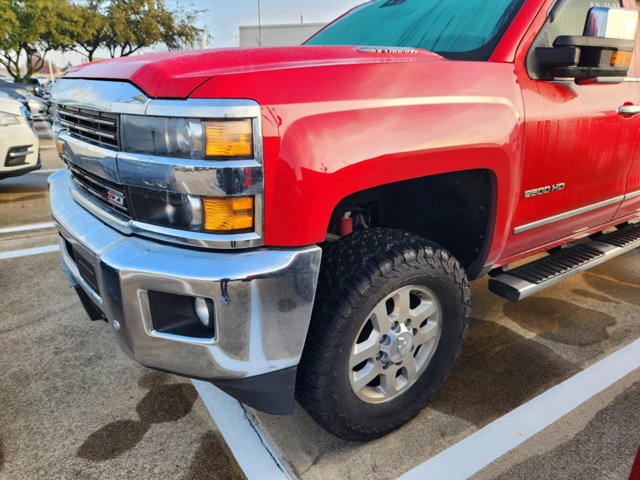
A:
(457, 210)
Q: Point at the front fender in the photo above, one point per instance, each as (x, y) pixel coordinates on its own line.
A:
(356, 146)
(331, 131)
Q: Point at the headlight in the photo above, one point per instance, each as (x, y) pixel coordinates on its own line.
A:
(7, 119)
(187, 212)
(166, 209)
(187, 138)
(164, 136)
(197, 139)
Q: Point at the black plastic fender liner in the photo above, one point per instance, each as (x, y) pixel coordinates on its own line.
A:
(271, 393)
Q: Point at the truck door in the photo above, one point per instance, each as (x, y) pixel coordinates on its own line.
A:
(577, 145)
(631, 204)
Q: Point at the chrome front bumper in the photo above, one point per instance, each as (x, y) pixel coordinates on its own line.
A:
(263, 298)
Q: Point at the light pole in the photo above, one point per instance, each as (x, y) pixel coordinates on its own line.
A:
(259, 25)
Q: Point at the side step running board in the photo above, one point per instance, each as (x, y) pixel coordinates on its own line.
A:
(529, 279)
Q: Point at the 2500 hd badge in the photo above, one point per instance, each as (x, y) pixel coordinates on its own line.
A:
(558, 187)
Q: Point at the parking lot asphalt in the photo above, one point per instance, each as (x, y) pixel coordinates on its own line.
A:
(514, 352)
(72, 405)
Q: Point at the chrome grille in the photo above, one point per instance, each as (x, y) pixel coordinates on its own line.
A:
(107, 192)
(98, 128)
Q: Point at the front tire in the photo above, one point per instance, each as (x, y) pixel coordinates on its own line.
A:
(390, 315)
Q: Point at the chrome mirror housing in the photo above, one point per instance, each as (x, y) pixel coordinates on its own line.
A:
(606, 22)
(601, 55)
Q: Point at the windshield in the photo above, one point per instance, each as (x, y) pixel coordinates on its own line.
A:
(455, 29)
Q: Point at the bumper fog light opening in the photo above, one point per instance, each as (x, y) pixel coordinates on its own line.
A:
(182, 315)
(203, 311)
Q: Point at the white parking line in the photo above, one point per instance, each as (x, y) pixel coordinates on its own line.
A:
(480, 449)
(240, 434)
(27, 228)
(27, 252)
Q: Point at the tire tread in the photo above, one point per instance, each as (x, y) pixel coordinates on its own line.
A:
(350, 267)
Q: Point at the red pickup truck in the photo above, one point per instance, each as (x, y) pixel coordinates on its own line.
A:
(303, 222)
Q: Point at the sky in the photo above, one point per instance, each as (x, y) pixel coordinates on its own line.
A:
(222, 18)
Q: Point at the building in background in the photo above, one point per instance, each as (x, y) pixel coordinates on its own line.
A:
(277, 35)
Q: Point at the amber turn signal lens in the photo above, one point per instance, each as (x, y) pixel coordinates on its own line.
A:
(229, 138)
(621, 59)
(227, 214)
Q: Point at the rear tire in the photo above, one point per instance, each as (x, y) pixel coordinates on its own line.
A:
(361, 304)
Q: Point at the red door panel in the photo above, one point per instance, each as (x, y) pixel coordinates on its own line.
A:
(631, 205)
(576, 155)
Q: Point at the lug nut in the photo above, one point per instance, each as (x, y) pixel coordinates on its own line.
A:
(395, 327)
(383, 339)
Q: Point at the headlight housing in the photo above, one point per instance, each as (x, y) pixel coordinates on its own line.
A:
(163, 136)
(224, 139)
(7, 119)
(192, 213)
(187, 137)
(165, 209)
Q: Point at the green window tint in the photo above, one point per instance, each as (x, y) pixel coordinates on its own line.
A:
(466, 30)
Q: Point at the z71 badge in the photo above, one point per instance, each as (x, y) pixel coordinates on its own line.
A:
(115, 198)
(558, 187)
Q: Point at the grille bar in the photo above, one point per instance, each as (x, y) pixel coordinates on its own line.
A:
(86, 118)
(88, 130)
(98, 128)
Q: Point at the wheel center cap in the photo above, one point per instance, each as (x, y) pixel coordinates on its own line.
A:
(400, 346)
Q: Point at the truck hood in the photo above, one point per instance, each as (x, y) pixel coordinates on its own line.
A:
(177, 74)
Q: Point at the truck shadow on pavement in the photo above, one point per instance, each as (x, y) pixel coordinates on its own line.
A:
(498, 371)
(620, 288)
(548, 318)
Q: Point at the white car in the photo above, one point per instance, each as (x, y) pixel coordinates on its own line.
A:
(19, 146)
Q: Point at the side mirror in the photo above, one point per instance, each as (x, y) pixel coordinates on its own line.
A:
(602, 55)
